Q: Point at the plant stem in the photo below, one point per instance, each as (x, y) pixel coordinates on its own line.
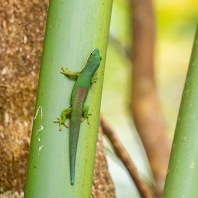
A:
(74, 29)
(182, 175)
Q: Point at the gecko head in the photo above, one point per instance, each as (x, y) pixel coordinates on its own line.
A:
(93, 61)
(96, 55)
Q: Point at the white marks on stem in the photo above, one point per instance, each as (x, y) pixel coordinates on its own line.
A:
(40, 148)
(41, 126)
(192, 165)
(39, 139)
(39, 108)
(41, 129)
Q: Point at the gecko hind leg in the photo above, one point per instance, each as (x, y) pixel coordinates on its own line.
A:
(85, 114)
(64, 115)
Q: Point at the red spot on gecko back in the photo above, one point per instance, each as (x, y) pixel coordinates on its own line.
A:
(81, 91)
(80, 96)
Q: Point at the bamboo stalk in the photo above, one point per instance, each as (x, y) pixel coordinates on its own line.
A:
(74, 29)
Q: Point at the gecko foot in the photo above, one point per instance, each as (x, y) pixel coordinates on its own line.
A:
(61, 122)
(65, 71)
(86, 117)
(94, 80)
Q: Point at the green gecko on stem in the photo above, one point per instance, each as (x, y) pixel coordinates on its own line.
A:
(77, 109)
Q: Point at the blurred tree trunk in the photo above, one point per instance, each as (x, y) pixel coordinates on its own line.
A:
(144, 101)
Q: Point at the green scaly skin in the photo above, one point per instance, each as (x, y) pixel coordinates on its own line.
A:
(77, 109)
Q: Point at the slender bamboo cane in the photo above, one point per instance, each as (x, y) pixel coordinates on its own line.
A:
(182, 175)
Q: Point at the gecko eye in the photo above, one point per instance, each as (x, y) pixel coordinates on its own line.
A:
(91, 54)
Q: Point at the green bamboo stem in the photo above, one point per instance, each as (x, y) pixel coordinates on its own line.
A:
(182, 175)
(74, 29)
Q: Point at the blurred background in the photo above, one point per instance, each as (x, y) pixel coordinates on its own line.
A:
(175, 26)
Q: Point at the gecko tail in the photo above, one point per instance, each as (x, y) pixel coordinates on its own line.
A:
(73, 139)
(72, 180)
(72, 169)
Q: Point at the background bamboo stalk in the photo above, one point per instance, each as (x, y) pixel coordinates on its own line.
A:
(182, 175)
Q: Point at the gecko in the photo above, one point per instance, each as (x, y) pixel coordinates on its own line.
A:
(77, 110)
